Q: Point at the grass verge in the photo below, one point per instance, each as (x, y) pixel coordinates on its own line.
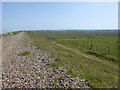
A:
(99, 74)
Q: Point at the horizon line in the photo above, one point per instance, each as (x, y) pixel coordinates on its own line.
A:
(66, 30)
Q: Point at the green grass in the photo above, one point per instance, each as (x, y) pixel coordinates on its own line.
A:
(13, 82)
(25, 53)
(85, 41)
(53, 64)
(71, 72)
(99, 73)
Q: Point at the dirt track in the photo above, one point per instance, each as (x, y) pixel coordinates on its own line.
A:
(9, 44)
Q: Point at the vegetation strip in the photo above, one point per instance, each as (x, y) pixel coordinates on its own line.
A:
(98, 74)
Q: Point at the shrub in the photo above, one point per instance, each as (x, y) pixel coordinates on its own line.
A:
(54, 64)
(102, 55)
(71, 72)
(25, 53)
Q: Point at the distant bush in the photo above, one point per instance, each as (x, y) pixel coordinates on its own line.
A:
(10, 33)
(102, 55)
(16, 32)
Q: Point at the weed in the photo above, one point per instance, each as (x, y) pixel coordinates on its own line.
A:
(54, 64)
(25, 53)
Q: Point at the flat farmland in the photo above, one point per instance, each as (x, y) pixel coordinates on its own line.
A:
(89, 54)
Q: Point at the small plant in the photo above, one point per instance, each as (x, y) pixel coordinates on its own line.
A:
(108, 50)
(61, 78)
(25, 53)
(54, 64)
(70, 56)
(71, 72)
(57, 59)
(91, 46)
(82, 84)
(13, 82)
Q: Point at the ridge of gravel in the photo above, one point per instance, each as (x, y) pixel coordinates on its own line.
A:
(34, 71)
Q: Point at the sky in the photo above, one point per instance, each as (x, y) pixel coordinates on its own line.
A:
(59, 15)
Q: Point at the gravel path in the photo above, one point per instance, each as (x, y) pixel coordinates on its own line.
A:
(33, 70)
(9, 44)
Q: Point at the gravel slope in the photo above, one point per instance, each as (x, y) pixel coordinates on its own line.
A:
(33, 70)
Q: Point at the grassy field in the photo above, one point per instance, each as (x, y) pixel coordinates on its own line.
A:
(101, 71)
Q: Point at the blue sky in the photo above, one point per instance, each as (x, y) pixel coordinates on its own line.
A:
(59, 15)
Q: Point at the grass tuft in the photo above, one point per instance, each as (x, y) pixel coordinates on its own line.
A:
(25, 53)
